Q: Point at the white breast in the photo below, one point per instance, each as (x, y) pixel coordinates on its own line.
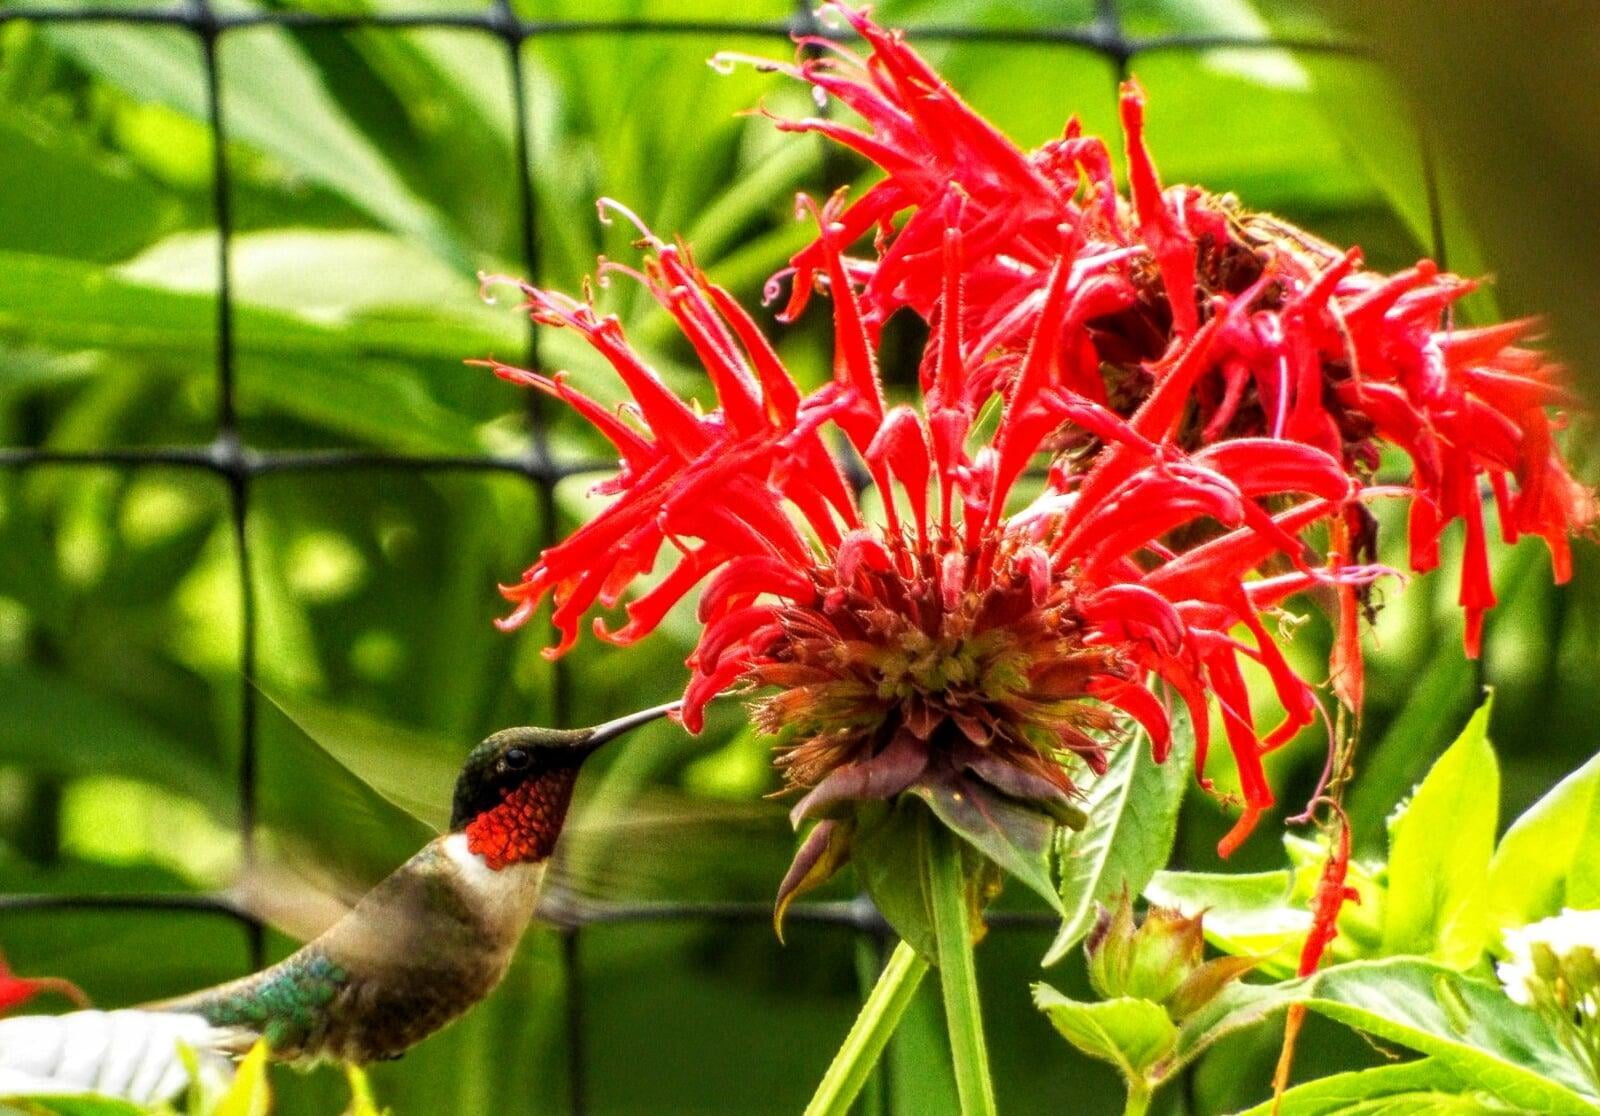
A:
(130, 1054)
(507, 895)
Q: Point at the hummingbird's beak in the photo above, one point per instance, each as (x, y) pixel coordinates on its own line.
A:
(601, 734)
(581, 741)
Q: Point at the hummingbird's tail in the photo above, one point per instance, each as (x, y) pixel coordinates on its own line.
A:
(134, 1054)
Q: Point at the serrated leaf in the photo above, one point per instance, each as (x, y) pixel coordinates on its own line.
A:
(1439, 854)
(1133, 819)
(1131, 1034)
(1550, 857)
(1471, 1028)
(1411, 1089)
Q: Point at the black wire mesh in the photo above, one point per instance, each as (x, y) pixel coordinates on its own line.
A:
(238, 465)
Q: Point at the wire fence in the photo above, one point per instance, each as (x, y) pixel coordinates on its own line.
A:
(238, 465)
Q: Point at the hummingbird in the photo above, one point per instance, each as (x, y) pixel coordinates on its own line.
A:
(417, 951)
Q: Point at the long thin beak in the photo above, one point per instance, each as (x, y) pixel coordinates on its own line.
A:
(580, 740)
(599, 734)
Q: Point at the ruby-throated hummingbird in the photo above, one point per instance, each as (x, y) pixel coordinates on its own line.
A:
(417, 951)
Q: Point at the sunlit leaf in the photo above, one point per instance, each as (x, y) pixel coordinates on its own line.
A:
(1550, 857)
(1439, 853)
(1469, 1027)
(1411, 1089)
(250, 1094)
(1131, 1034)
(274, 99)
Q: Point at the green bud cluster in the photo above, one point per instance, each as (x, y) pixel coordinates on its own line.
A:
(1160, 958)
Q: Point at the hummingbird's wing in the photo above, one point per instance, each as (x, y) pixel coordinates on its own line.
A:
(336, 812)
(411, 771)
(660, 847)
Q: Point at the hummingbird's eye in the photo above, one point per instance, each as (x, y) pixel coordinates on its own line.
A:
(515, 759)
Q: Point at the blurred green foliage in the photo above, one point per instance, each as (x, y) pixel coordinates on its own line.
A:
(373, 175)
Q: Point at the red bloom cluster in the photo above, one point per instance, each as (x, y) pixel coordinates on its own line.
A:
(950, 634)
(1307, 346)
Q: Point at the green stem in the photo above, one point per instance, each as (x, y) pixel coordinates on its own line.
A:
(958, 976)
(1138, 1099)
(880, 1015)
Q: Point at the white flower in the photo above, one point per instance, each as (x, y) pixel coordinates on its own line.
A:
(1548, 945)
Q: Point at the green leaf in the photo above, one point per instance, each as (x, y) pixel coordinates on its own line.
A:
(74, 304)
(1470, 1028)
(249, 1095)
(330, 275)
(69, 1106)
(1133, 819)
(1014, 835)
(889, 857)
(64, 199)
(1410, 1089)
(1550, 857)
(1439, 853)
(274, 99)
(1252, 914)
(328, 374)
(52, 719)
(1131, 1034)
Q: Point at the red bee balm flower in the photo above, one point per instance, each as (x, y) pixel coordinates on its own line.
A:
(1313, 348)
(947, 644)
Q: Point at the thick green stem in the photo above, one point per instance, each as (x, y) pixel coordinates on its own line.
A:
(1138, 1099)
(880, 1015)
(958, 976)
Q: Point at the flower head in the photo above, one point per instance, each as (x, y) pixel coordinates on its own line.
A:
(947, 639)
(1310, 348)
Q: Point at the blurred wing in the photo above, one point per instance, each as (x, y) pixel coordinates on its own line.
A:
(411, 771)
(336, 813)
(665, 847)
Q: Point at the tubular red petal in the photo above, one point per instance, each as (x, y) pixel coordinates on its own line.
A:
(1172, 247)
(1140, 704)
(744, 579)
(1262, 466)
(901, 448)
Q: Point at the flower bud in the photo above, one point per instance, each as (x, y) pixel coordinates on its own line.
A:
(1546, 965)
(1157, 959)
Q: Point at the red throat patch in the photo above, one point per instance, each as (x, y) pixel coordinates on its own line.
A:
(525, 825)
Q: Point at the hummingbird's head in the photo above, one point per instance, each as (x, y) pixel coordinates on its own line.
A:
(513, 791)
